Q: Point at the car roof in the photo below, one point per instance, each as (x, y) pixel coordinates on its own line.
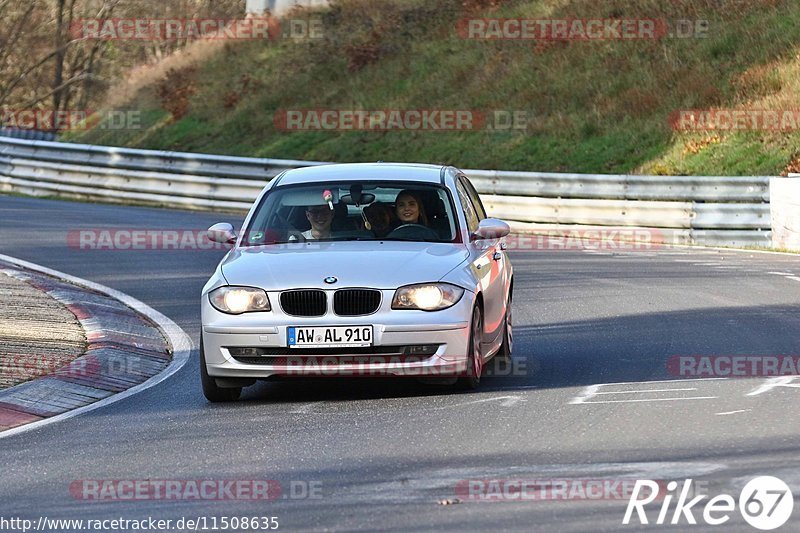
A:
(363, 172)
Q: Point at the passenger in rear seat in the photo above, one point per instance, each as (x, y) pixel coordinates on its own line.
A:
(379, 217)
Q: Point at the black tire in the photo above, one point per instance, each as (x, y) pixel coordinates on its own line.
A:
(508, 333)
(474, 362)
(211, 391)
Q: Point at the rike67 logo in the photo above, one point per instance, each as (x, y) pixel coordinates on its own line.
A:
(766, 503)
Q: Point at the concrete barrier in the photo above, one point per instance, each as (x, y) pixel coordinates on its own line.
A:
(279, 7)
(785, 212)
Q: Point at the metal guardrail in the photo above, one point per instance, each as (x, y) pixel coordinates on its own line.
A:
(115, 180)
(164, 161)
(623, 187)
(709, 207)
(32, 135)
(680, 215)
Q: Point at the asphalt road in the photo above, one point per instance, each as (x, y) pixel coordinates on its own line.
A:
(383, 454)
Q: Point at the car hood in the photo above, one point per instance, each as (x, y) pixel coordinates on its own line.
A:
(376, 264)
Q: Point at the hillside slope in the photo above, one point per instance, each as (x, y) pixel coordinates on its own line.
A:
(592, 105)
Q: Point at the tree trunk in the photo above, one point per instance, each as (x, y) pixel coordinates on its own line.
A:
(58, 77)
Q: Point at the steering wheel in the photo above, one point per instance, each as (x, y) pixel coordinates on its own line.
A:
(413, 231)
(292, 233)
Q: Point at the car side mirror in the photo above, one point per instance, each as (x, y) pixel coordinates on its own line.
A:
(490, 228)
(222, 233)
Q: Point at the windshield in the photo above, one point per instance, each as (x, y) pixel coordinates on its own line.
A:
(353, 211)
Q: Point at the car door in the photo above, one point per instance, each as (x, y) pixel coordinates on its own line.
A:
(487, 260)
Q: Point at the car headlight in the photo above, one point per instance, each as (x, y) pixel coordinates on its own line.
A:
(238, 300)
(427, 296)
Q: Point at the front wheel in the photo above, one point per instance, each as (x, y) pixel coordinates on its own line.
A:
(211, 390)
(474, 358)
(508, 333)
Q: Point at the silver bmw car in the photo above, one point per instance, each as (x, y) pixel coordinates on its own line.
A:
(358, 270)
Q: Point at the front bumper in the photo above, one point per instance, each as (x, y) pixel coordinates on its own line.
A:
(448, 329)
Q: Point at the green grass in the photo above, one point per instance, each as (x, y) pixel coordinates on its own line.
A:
(600, 106)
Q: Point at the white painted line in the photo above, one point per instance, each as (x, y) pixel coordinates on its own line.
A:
(707, 264)
(655, 400)
(661, 381)
(700, 249)
(782, 273)
(638, 391)
(505, 401)
(588, 392)
(732, 412)
(591, 391)
(793, 278)
(180, 341)
(771, 383)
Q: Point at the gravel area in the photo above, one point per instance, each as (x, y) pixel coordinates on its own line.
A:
(38, 334)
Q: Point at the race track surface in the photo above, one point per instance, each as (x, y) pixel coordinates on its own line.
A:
(592, 395)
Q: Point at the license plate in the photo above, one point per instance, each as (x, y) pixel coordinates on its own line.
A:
(329, 337)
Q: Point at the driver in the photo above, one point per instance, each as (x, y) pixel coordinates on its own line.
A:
(409, 208)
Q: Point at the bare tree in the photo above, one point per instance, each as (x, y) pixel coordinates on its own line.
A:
(44, 63)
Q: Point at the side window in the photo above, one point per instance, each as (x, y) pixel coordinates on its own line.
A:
(476, 199)
(466, 204)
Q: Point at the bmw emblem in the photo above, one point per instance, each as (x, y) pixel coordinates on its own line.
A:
(330, 280)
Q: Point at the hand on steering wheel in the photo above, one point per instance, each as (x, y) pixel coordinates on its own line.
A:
(295, 236)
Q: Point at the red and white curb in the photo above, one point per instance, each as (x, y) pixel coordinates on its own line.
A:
(126, 353)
